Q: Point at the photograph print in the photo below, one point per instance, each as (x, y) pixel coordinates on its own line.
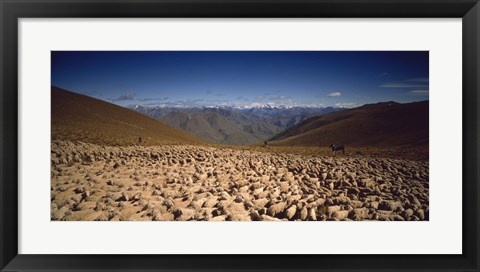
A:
(239, 136)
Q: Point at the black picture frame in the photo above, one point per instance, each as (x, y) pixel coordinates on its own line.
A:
(11, 11)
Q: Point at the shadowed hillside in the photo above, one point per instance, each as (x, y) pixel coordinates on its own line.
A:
(78, 117)
(374, 125)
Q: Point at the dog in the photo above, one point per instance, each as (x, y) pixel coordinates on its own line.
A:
(336, 148)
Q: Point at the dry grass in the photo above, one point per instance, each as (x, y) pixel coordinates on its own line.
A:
(380, 125)
(77, 117)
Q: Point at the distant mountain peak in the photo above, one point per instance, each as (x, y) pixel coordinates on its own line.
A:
(246, 107)
(235, 125)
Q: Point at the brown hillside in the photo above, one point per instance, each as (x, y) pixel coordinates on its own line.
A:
(78, 117)
(374, 125)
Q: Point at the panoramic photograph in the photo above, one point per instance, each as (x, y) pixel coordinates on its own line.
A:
(239, 136)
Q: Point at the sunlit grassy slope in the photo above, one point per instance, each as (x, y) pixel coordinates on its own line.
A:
(78, 117)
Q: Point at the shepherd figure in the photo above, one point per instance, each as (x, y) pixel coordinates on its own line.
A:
(336, 148)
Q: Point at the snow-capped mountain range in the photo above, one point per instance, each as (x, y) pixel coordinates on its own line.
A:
(233, 125)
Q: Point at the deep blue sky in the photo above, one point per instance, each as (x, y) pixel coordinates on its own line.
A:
(244, 78)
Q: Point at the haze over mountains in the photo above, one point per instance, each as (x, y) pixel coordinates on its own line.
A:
(383, 124)
(79, 117)
(232, 125)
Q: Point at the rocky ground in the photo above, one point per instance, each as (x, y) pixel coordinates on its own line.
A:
(182, 182)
